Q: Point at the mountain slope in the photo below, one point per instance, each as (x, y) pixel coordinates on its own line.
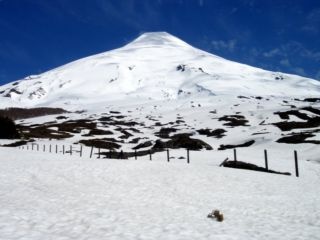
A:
(155, 66)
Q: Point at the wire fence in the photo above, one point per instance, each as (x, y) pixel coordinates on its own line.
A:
(99, 153)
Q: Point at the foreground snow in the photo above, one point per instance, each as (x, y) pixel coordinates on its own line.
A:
(48, 196)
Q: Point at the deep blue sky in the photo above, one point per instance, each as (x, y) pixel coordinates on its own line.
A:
(280, 35)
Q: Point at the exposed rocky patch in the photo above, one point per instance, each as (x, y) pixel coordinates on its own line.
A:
(217, 133)
(61, 117)
(42, 131)
(311, 100)
(16, 144)
(288, 126)
(246, 144)
(143, 145)
(296, 138)
(100, 143)
(182, 141)
(75, 126)
(98, 132)
(234, 120)
(165, 132)
(286, 115)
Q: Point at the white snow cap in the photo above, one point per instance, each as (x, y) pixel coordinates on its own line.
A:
(155, 66)
(157, 38)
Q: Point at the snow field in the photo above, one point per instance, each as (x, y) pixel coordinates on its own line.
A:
(49, 196)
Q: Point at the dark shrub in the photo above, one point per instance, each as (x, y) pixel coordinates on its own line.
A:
(8, 129)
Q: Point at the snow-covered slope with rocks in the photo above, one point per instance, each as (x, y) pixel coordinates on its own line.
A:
(155, 66)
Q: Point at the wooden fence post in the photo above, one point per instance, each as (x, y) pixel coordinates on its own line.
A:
(56, 148)
(91, 151)
(32, 146)
(135, 154)
(168, 156)
(110, 153)
(63, 149)
(80, 150)
(70, 150)
(50, 148)
(296, 163)
(150, 155)
(188, 156)
(235, 154)
(27, 147)
(44, 147)
(266, 159)
(98, 152)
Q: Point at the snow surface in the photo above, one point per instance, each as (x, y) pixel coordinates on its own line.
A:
(49, 196)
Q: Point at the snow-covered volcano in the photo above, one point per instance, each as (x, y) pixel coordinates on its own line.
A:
(155, 66)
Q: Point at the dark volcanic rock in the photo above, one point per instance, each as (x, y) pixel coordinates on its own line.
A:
(286, 115)
(100, 143)
(99, 132)
(311, 109)
(61, 117)
(297, 138)
(164, 132)
(135, 140)
(234, 120)
(42, 131)
(311, 100)
(246, 144)
(16, 144)
(287, 126)
(182, 141)
(217, 133)
(143, 145)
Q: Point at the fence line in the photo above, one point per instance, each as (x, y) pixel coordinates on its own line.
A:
(111, 154)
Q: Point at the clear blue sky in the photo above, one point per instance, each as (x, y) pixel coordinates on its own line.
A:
(279, 35)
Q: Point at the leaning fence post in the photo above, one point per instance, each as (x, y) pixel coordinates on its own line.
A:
(168, 156)
(266, 159)
(91, 151)
(296, 163)
(188, 156)
(235, 154)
